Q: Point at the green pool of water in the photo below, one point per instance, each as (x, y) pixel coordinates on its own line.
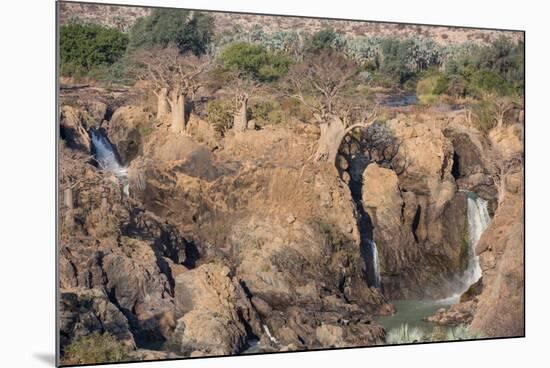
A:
(413, 312)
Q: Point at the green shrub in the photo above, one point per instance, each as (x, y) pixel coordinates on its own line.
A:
(497, 68)
(255, 61)
(220, 115)
(334, 237)
(189, 31)
(85, 47)
(95, 348)
(482, 116)
(266, 112)
(323, 39)
(429, 88)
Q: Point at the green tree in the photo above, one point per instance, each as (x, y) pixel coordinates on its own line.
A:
(394, 60)
(189, 31)
(254, 61)
(84, 47)
(324, 39)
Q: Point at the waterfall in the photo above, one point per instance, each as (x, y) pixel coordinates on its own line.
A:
(375, 263)
(107, 158)
(478, 220)
(273, 339)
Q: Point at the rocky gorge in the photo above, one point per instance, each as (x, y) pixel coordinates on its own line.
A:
(204, 243)
(229, 187)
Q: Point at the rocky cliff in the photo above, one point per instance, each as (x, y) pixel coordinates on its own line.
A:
(224, 240)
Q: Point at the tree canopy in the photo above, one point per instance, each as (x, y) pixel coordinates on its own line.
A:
(254, 61)
(85, 46)
(190, 31)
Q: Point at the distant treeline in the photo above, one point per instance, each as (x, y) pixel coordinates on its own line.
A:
(415, 63)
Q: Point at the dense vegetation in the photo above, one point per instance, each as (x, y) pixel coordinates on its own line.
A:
(189, 31)
(254, 61)
(85, 48)
(489, 79)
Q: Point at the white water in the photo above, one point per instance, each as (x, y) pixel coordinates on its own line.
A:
(107, 159)
(273, 339)
(478, 220)
(375, 263)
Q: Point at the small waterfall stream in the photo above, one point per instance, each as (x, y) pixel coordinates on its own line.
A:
(107, 158)
(413, 312)
(369, 251)
(478, 220)
(375, 263)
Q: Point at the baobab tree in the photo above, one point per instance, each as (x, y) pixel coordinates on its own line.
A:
(175, 78)
(323, 84)
(243, 89)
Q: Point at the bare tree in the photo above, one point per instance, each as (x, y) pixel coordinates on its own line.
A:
(377, 144)
(499, 107)
(322, 83)
(499, 172)
(175, 78)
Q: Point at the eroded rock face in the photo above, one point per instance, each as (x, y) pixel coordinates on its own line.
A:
(214, 314)
(127, 129)
(277, 251)
(418, 215)
(74, 125)
(500, 309)
(494, 307)
(84, 311)
(115, 246)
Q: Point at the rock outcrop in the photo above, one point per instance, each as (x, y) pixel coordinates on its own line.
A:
(494, 306)
(74, 125)
(83, 311)
(127, 129)
(500, 307)
(120, 249)
(418, 216)
(214, 314)
(273, 241)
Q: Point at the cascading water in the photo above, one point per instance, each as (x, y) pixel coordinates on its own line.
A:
(107, 159)
(369, 251)
(478, 220)
(269, 335)
(375, 263)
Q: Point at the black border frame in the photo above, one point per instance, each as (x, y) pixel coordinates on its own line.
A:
(57, 109)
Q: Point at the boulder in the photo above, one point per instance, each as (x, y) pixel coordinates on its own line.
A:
(213, 313)
(456, 315)
(128, 129)
(74, 127)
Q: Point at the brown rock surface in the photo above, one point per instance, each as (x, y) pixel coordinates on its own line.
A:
(128, 129)
(500, 310)
(74, 124)
(213, 311)
(83, 311)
